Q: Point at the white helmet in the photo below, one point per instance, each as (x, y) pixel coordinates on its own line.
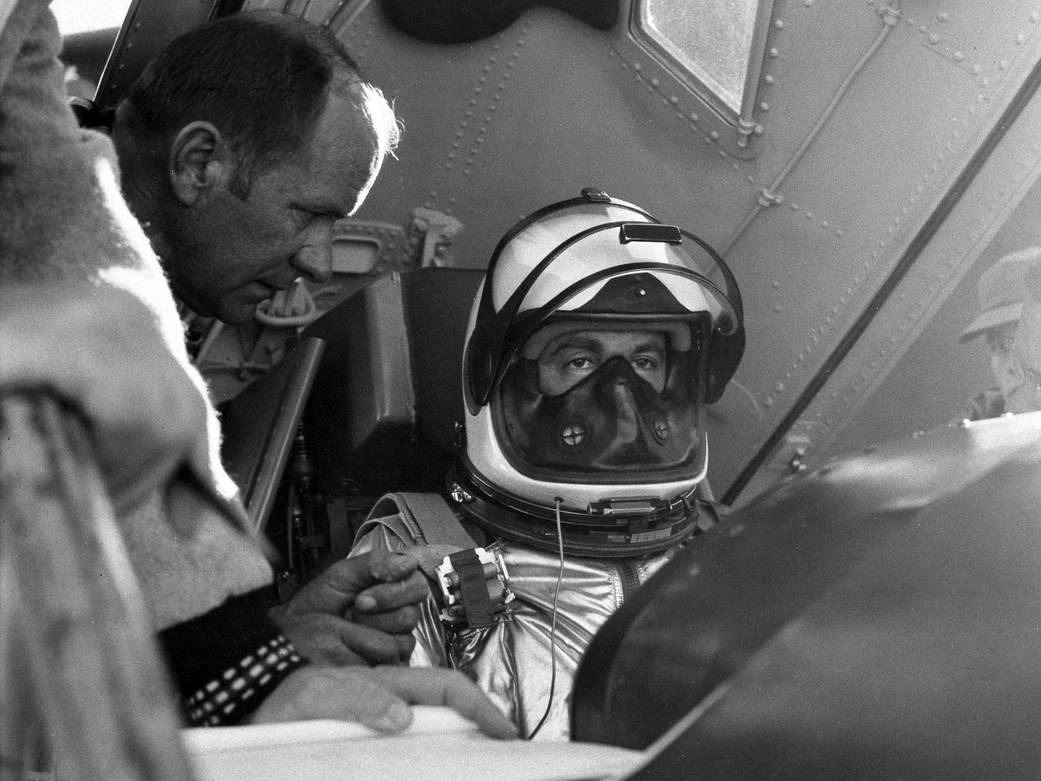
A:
(618, 452)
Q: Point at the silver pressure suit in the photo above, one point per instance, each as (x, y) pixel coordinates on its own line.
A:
(512, 661)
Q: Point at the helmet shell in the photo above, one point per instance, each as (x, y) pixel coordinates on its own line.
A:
(595, 262)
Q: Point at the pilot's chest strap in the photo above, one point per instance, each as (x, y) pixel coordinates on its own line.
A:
(419, 519)
(471, 585)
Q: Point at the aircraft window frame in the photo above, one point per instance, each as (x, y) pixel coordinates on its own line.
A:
(656, 64)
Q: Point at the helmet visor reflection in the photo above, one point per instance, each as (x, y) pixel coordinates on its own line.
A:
(575, 271)
(613, 427)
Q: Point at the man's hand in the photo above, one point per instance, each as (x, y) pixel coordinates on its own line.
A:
(379, 697)
(359, 610)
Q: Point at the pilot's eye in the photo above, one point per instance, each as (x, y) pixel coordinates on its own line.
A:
(580, 363)
(646, 363)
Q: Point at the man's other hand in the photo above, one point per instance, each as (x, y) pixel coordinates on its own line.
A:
(360, 610)
(379, 697)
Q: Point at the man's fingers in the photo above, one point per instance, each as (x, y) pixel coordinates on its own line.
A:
(374, 646)
(347, 693)
(386, 597)
(398, 622)
(389, 565)
(331, 640)
(379, 697)
(334, 589)
(423, 686)
(359, 572)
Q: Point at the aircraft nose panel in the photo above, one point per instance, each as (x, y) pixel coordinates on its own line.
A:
(876, 617)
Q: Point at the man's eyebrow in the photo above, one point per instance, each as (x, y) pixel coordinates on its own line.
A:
(575, 343)
(650, 347)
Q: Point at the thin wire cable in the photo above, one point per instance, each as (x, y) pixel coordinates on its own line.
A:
(889, 15)
(748, 395)
(553, 624)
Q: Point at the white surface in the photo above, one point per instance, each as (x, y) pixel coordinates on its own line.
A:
(439, 744)
(77, 16)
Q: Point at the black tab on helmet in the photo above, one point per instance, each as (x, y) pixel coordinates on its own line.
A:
(595, 194)
(649, 231)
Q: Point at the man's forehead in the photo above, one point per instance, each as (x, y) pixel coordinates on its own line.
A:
(339, 158)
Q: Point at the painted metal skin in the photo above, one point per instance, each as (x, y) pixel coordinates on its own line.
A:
(512, 661)
(877, 617)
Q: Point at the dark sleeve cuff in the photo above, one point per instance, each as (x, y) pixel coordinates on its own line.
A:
(227, 661)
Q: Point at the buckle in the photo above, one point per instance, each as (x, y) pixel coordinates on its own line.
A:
(475, 588)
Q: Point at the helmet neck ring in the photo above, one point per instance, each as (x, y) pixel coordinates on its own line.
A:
(621, 528)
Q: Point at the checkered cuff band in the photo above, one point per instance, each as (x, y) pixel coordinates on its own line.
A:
(240, 689)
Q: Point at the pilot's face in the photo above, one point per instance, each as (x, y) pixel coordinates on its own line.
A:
(571, 357)
(235, 253)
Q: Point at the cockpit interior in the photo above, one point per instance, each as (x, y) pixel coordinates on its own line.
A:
(868, 607)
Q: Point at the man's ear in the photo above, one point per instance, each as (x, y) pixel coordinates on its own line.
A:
(200, 162)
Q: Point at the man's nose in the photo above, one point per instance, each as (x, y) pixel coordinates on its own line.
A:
(315, 261)
(626, 415)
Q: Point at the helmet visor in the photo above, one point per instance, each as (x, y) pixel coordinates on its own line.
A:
(572, 273)
(607, 403)
(523, 292)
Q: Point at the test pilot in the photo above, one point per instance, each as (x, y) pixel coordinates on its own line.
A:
(596, 340)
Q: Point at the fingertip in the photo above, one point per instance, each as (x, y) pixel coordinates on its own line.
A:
(401, 565)
(509, 732)
(498, 726)
(467, 699)
(366, 603)
(406, 645)
(397, 717)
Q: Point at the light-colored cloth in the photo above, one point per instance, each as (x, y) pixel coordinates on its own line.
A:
(87, 316)
(65, 227)
(449, 745)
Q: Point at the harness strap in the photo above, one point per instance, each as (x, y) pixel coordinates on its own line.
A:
(429, 530)
(427, 515)
(424, 522)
